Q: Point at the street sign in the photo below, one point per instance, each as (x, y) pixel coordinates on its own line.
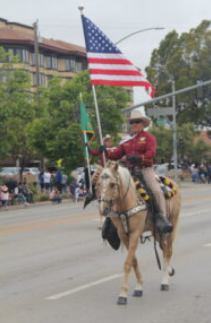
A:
(160, 121)
(156, 112)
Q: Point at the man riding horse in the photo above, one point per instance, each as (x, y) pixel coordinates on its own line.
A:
(140, 151)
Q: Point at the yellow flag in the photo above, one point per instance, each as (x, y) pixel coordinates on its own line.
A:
(59, 162)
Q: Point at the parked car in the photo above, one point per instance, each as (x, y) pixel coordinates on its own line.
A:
(9, 171)
(12, 174)
(80, 170)
(31, 171)
(167, 169)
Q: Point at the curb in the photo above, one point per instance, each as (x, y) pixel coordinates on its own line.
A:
(36, 204)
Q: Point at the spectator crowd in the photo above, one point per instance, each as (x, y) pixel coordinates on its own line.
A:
(55, 185)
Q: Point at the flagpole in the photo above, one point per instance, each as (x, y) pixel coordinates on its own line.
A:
(88, 163)
(98, 121)
(81, 8)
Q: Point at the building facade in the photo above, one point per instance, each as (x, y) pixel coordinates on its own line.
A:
(55, 57)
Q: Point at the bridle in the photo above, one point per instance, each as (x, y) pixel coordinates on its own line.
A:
(111, 202)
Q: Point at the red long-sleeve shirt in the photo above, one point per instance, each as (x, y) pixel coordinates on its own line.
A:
(96, 152)
(143, 144)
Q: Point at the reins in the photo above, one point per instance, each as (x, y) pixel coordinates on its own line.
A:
(123, 216)
(111, 202)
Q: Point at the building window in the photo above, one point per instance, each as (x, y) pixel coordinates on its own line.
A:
(41, 78)
(49, 77)
(5, 75)
(41, 60)
(10, 53)
(18, 53)
(34, 79)
(33, 59)
(70, 65)
(25, 56)
(22, 54)
(79, 66)
(49, 65)
(52, 62)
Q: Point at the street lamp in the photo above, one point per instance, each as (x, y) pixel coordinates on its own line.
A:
(137, 32)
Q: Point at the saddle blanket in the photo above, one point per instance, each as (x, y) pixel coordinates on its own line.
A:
(167, 186)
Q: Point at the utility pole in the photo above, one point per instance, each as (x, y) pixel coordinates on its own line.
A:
(37, 66)
(171, 111)
(36, 52)
(174, 125)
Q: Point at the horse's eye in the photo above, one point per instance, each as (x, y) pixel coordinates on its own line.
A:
(112, 185)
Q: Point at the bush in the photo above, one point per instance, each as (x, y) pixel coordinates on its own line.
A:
(33, 187)
(41, 197)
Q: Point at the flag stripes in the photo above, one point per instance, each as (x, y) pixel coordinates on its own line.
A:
(107, 65)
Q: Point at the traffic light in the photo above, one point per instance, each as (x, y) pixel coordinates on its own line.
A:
(181, 143)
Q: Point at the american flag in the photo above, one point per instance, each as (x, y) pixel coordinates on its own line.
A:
(107, 65)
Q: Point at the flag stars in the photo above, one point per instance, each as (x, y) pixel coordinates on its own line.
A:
(96, 40)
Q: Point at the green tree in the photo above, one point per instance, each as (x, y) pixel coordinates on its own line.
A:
(164, 143)
(195, 152)
(186, 59)
(17, 111)
(57, 135)
(200, 153)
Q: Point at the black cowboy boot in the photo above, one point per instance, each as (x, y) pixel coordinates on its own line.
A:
(162, 224)
(88, 199)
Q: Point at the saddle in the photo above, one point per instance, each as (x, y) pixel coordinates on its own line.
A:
(167, 186)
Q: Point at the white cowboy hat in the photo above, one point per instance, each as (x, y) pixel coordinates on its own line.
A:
(107, 137)
(137, 115)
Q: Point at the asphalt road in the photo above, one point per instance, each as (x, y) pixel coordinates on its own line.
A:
(55, 268)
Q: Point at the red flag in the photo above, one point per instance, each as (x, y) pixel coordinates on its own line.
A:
(107, 64)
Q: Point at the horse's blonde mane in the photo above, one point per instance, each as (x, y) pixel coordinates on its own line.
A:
(123, 173)
(125, 176)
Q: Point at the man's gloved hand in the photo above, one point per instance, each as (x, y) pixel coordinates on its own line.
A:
(102, 149)
(134, 160)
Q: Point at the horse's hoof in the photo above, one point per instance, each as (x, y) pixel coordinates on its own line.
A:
(172, 273)
(164, 287)
(122, 300)
(137, 293)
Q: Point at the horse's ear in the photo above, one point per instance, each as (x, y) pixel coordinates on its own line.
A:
(114, 167)
(98, 167)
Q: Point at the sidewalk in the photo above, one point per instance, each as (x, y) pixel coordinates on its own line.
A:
(191, 184)
(36, 204)
(182, 185)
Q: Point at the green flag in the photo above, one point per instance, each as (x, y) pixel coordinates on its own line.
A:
(86, 126)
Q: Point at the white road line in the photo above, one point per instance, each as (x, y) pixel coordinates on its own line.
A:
(183, 214)
(80, 288)
(106, 279)
(207, 245)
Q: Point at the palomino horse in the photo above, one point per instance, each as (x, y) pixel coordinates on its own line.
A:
(116, 193)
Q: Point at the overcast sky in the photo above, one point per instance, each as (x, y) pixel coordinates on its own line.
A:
(60, 19)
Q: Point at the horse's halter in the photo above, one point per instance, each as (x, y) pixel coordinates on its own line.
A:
(112, 201)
